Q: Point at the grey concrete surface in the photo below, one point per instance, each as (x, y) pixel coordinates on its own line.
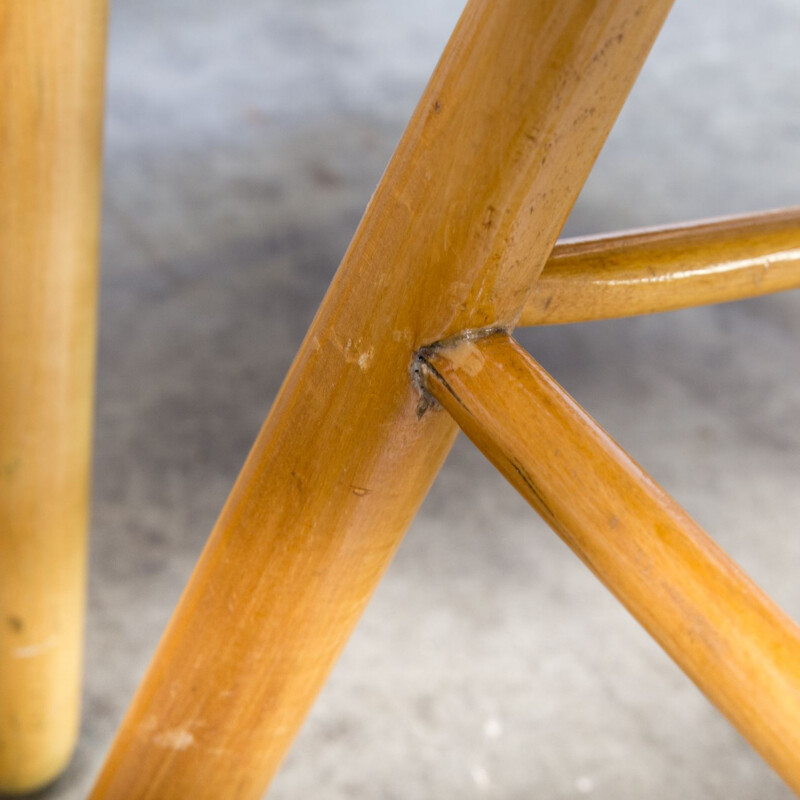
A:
(243, 141)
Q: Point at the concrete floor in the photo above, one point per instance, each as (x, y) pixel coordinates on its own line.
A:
(243, 141)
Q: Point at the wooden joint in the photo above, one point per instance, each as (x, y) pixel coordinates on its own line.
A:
(421, 363)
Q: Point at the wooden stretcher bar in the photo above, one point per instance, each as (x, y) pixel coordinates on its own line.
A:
(664, 269)
(719, 627)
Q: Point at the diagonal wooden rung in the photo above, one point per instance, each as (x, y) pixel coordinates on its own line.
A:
(663, 269)
(720, 628)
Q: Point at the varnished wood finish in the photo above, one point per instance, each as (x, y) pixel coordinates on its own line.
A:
(51, 70)
(731, 640)
(453, 238)
(663, 269)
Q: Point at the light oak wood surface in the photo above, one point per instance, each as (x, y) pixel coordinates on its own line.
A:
(721, 629)
(453, 238)
(51, 73)
(667, 268)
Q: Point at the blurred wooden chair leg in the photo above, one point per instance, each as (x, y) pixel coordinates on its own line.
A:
(453, 238)
(51, 72)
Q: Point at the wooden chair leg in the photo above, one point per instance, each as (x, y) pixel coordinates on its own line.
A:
(721, 629)
(51, 69)
(492, 160)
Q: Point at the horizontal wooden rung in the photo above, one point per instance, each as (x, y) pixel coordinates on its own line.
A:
(664, 269)
(720, 628)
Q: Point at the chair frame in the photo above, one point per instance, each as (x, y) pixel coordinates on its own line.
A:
(413, 341)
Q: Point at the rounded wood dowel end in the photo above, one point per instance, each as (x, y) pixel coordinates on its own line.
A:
(46, 758)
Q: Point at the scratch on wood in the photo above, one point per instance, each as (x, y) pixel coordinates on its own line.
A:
(528, 481)
(177, 739)
(37, 649)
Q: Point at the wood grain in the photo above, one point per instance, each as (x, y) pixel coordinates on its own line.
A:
(720, 628)
(664, 269)
(454, 237)
(51, 73)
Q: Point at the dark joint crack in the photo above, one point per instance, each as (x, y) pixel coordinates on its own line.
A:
(422, 363)
(427, 397)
